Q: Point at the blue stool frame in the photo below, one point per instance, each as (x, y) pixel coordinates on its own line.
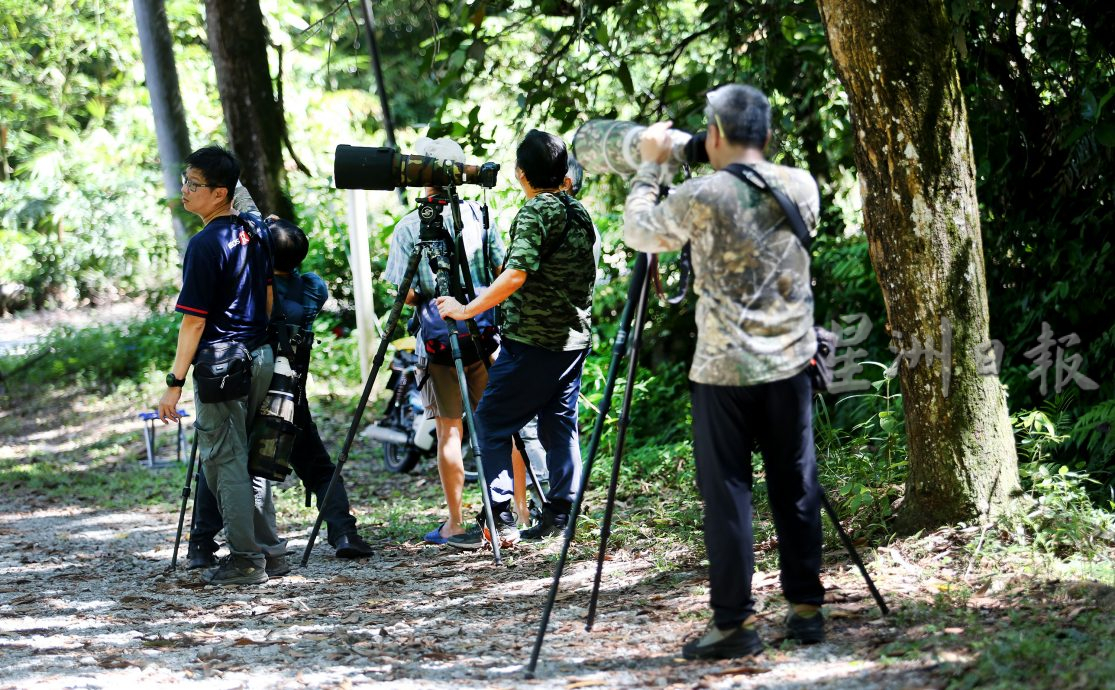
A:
(149, 419)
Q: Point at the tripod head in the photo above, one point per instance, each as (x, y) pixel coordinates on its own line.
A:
(437, 242)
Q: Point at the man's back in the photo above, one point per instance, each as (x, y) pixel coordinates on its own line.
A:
(225, 278)
(755, 304)
(302, 295)
(554, 307)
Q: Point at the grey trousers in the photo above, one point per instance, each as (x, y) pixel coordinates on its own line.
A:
(245, 501)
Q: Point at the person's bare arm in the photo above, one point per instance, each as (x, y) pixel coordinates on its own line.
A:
(510, 280)
(189, 335)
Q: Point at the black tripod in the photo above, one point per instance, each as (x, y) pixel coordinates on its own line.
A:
(185, 498)
(433, 239)
(635, 308)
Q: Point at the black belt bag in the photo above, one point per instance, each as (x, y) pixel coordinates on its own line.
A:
(222, 372)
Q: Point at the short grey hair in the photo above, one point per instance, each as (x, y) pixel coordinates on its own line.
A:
(741, 113)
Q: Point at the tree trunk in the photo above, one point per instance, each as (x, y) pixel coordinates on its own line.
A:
(914, 155)
(171, 132)
(238, 43)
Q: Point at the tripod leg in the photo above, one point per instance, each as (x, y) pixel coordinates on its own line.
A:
(621, 433)
(182, 510)
(474, 441)
(377, 362)
(852, 552)
(635, 288)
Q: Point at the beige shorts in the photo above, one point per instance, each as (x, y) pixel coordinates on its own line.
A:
(441, 394)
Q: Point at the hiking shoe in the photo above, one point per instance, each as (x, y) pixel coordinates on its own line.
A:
(809, 630)
(234, 570)
(469, 541)
(197, 556)
(733, 643)
(479, 536)
(352, 546)
(550, 524)
(508, 534)
(277, 566)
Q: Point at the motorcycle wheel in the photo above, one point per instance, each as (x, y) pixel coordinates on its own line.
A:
(400, 458)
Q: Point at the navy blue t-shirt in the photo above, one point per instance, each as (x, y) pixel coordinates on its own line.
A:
(224, 281)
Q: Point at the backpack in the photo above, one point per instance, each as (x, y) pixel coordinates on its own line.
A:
(824, 359)
(435, 330)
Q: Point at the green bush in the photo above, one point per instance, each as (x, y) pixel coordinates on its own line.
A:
(864, 462)
(100, 357)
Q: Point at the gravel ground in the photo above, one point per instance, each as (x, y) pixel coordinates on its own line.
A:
(87, 601)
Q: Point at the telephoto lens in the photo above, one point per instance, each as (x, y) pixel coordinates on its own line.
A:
(612, 146)
(367, 167)
(271, 438)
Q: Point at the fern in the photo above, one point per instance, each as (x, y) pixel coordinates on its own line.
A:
(1093, 433)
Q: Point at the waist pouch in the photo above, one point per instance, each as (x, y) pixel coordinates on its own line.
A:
(222, 371)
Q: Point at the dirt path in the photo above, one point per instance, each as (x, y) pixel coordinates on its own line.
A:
(19, 332)
(86, 601)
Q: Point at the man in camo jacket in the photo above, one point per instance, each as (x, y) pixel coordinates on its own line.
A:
(749, 381)
(545, 293)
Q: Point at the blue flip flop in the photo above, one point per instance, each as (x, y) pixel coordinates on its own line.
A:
(434, 536)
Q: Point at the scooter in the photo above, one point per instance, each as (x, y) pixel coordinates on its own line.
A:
(408, 437)
(405, 432)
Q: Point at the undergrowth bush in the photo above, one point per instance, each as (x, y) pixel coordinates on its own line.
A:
(99, 357)
(1056, 514)
(865, 461)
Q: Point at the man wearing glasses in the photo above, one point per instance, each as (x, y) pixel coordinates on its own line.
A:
(226, 297)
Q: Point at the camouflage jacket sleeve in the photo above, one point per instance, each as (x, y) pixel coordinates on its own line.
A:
(649, 226)
(527, 233)
(242, 201)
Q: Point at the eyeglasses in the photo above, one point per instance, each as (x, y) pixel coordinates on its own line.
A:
(192, 185)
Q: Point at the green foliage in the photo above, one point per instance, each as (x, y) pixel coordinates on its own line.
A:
(1060, 653)
(865, 463)
(101, 357)
(1056, 514)
(1039, 81)
(79, 216)
(1093, 435)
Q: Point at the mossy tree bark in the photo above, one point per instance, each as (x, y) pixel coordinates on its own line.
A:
(238, 44)
(914, 157)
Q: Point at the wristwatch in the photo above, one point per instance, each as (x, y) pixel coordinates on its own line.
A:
(172, 382)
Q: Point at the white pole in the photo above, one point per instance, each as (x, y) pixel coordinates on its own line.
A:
(360, 263)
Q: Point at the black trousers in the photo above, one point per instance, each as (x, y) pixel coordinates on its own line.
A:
(777, 420)
(312, 464)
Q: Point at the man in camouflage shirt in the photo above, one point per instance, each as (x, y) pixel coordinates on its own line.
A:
(545, 291)
(749, 381)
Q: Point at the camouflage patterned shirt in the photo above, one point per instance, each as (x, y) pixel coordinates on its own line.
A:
(754, 301)
(553, 308)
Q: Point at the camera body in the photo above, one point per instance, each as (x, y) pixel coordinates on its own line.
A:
(613, 146)
(384, 168)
